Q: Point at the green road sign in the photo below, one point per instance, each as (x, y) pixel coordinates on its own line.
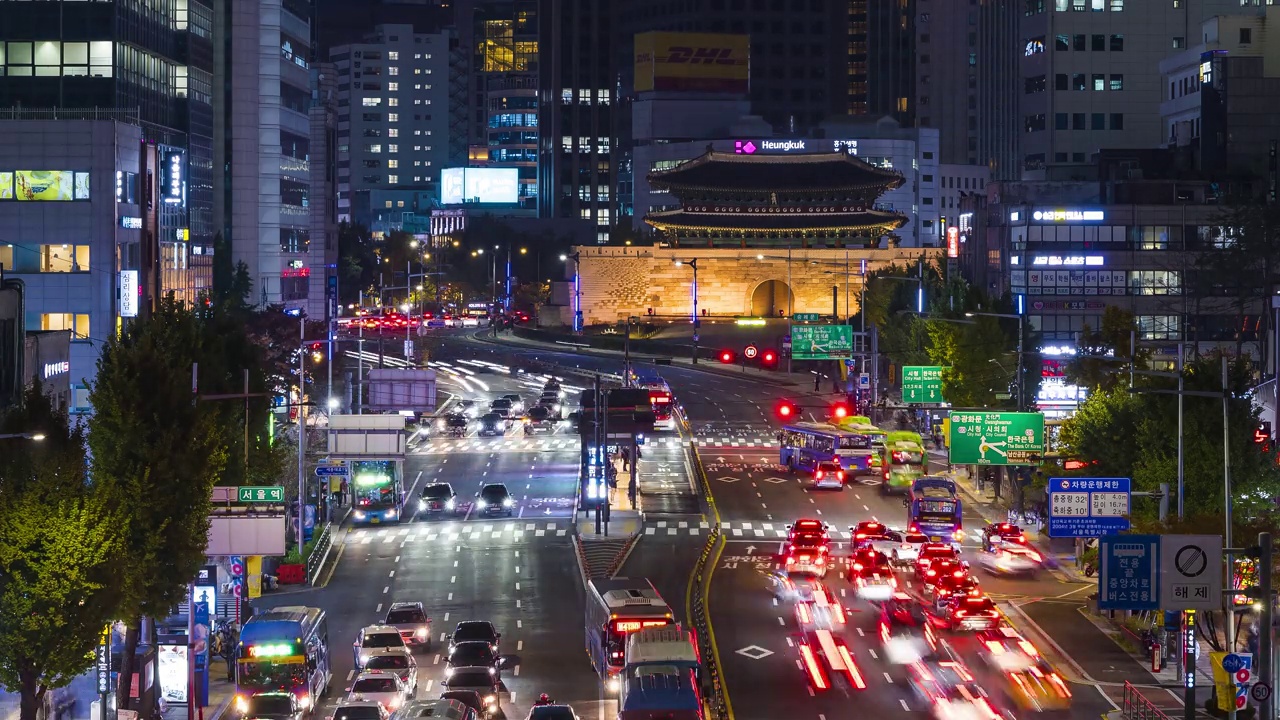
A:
(271, 494)
(922, 384)
(821, 342)
(806, 317)
(996, 438)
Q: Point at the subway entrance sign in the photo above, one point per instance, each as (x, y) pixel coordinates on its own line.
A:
(821, 342)
(996, 438)
(922, 384)
(269, 494)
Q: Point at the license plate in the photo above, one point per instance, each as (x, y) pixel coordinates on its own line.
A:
(935, 538)
(374, 519)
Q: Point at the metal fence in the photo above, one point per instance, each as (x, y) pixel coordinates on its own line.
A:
(713, 683)
(1138, 707)
(319, 553)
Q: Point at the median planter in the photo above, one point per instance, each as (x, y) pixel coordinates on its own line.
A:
(291, 574)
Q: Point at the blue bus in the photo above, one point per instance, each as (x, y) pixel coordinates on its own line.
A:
(377, 492)
(933, 509)
(284, 649)
(803, 445)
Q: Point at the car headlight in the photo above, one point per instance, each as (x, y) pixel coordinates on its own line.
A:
(448, 672)
(449, 504)
(481, 504)
(507, 502)
(391, 513)
(359, 514)
(492, 671)
(613, 684)
(421, 633)
(490, 699)
(422, 504)
(242, 704)
(364, 658)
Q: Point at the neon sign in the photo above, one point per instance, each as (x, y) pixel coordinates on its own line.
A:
(629, 626)
(265, 651)
(1067, 215)
(1068, 260)
(953, 242)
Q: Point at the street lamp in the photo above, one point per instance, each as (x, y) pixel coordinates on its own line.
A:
(577, 289)
(1020, 320)
(693, 264)
(23, 436)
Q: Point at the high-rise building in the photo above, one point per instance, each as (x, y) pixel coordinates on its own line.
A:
(1088, 77)
(393, 118)
(263, 132)
(155, 63)
(946, 79)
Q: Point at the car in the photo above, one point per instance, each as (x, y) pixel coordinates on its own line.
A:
(474, 630)
(503, 405)
(517, 403)
(480, 681)
(905, 546)
(1036, 688)
(817, 607)
(1000, 533)
(949, 589)
(1011, 559)
(907, 632)
(966, 701)
(1005, 640)
(399, 661)
(469, 408)
(470, 699)
(270, 706)
(931, 552)
(807, 554)
(828, 474)
(438, 499)
(807, 526)
(373, 638)
(942, 569)
(473, 653)
(864, 533)
(384, 688)
(539, 421)
(412, 621)
(495, 499)
(970, 613)
(936, 679)
(876, 583)
(359, 710)
(492, 424)
(454, 425)
(551, 712)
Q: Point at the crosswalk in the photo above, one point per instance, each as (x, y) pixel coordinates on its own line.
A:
(744, 529)
(509, 444)
(512, 530)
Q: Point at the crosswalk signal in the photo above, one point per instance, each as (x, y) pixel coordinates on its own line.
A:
(727, 357)
(787, 411)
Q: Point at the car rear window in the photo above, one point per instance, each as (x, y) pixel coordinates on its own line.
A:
(436, 492)
(269, 705)
(472, 631)
(406, 615)
(371, 685)
(383, 640)
(471, 654)
(470, 678)
(358, 712)
(388, 662)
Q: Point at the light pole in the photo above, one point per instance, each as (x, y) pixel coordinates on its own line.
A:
(694, 264)
(1021, 334)
(577, 289)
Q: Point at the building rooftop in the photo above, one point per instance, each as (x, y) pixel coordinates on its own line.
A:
(730, 172)
(850, 219)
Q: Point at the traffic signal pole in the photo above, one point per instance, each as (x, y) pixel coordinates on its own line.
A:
(1266, 636)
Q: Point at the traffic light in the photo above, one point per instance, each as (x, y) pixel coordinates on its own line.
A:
(787, 411)
(727, 357)
(768, 359)
(840, 410)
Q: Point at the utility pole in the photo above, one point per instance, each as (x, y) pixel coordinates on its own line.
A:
(302, 424)
(1266, 637)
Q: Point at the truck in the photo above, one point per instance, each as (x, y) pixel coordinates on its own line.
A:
(661, 676)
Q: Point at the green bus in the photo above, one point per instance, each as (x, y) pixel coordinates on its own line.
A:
(905, 460)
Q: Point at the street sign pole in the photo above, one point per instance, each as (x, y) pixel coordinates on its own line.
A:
(1189, 665)
(1266, 631)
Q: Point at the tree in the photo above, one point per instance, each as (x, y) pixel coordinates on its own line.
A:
(971, 353)
(157, 453)
(1102, 355)
(357, 263)
(61, 552)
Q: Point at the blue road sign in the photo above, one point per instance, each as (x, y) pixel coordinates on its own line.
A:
(1088, 507)
(1232, 663)
(328, 470)
(1128, 572)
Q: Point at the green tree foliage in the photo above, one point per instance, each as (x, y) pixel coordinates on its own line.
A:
(1135, 435)
(357, 263)
(159, 453)
(1102, 355)
(61, 553)
(977, 369)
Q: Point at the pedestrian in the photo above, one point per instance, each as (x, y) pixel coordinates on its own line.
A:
(817, 382)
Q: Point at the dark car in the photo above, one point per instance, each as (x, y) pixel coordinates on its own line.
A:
(470, 698)
(272, 706)
(551, 712)
(480, 681)
(495, 499)
(472, 653)
(455, 425)
(474, 631)
(438, 499)
(492, 424)
(502, 404)
(540, 421)
(906, 631)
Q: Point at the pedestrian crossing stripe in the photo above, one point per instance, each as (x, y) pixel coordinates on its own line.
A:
(743, 529)
(465, 531)
(567, 443)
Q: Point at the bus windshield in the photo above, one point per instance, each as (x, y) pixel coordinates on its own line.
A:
(265, 675)
(906, 457)
(854, 442)
(374, 485)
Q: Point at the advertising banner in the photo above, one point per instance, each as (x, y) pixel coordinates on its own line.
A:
(56, 185)
(692, 62)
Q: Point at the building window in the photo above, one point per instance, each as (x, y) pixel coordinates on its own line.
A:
(393, 148)
(1034, 123)
(1061, 43)
(1060, 5)
(1078, 81)
(393, 70)
(393, 132)
(393, 117)
(393, 86)
(393, 102)
(376, 148)
(1061, 82)
(1034, 84)
(45, 258)
(371, 101)
(77, 323)
(393, 179)
(1246, 36)
(1117, 5)
(1117, 43)
(1155, 282)
(393, 164)
(1098, 43)
(1077, 6)
(1059, 121)
(1077, 43)
(1034, 46)
(1159, 327)
(1098, 121)
(1077, 121)
(1099, 82)
(1150, 237)
(1117, 82)
(1179, 43)
(1059, 157)
(1117, 121)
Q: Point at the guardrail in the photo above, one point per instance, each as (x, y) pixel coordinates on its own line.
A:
(1138, 707)
(319, 554)
(713, 683)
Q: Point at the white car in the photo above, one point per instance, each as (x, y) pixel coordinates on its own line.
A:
(902, 548)
(359, 710)
(1011, 559)
(395, 660)
(372, 639)
(384, 688)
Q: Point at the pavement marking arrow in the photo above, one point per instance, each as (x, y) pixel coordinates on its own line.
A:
(751, 549)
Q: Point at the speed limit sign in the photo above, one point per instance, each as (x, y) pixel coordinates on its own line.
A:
(750, 352)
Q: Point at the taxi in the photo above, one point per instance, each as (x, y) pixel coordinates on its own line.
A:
(1032, 685)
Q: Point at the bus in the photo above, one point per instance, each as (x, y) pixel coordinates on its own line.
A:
(284, 649)
(377, 492)
(616, 608)
(904, 461)
(803, 445)
(663, 402)
(862, 425)
(933, 509)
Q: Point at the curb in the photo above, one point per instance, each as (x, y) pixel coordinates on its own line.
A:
(222, 707)
(1043, 640)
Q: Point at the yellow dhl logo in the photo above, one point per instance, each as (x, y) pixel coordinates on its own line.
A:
(703, 56)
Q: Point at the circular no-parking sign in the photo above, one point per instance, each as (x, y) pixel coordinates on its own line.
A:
(750, 352)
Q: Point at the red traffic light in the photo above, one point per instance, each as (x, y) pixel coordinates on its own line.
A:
(768, 358)
(726, 356)
(840, 411)
(787, 410)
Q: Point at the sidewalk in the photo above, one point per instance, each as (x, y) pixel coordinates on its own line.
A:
(221, 692)
(624, 518)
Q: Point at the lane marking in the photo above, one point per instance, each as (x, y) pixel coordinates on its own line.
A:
(350, 674)
(519, 645)
(887, 677)
(393, 574)
(437, 660)
(378, 609)
(782, 622)
(397, 559)
(453, 579)
(446, 617)
(385, 589)
(450, 596)
(905, 706)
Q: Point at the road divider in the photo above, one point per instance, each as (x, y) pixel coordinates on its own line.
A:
(715, 695)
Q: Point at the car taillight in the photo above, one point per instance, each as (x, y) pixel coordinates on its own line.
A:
(818, 475)
(857, 566)
(958, 573)
(840, 475)
(931, 573)
(791, 560)
(860, 536)
(820, 560)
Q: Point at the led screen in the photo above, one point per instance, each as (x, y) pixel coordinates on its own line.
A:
(486, 186)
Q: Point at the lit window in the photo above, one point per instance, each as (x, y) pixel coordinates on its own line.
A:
(371, 102)
(374, 148)
(393, 179)
(393, 86)
(399, 203)
(388, 203)
(393, 70)
(393, 132)
(393, 55)
(393, 102)
(393, 148)
(417, 56)
(393, 164)
(78, 324)
(393, 117)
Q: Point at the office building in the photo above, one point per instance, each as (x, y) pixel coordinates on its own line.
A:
(946, 77)
(393, 116)
(155, 63)
(263, 131)
(1088, 77)
(75, 204)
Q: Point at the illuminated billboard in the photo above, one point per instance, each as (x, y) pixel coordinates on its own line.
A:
(50, 185)
(692, 62)
(487, 186)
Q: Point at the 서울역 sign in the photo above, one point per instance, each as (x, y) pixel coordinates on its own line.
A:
(922, 384)
(821, 342)
(996, 438)
(271, 494)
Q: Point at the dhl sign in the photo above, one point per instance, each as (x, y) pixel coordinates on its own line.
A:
(692, 62)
